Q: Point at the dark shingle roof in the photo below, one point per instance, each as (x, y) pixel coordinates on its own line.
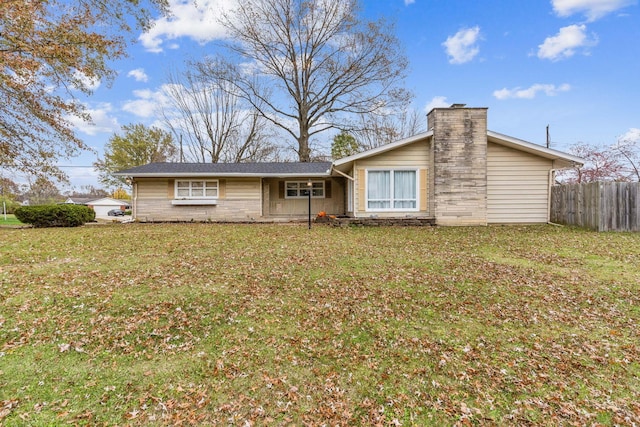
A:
(229, 169)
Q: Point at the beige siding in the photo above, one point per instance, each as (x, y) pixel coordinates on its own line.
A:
(277, 205)
(517, 186)
(423, 190)
(152, 189)
(360, 186)
(239, 200)
(246, 189)
(414, 156)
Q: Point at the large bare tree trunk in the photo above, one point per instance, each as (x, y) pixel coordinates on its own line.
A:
(321, 61)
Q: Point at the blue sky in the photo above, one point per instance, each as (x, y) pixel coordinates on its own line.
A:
(571, 64)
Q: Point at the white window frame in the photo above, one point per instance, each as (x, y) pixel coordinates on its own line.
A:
(391, 189)
(205, 187)
(302, 188)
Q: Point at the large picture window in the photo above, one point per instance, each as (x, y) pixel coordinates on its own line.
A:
(299, 189)
(392, 190)
(197, 189)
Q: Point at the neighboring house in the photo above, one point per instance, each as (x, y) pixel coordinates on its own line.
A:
(457, 173)
(104, 205)
(77, 200)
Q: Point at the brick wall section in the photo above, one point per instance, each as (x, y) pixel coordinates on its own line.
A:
(460, 165)
(161, 210)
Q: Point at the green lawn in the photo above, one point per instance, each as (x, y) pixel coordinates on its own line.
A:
(144, 324)
(11, 220)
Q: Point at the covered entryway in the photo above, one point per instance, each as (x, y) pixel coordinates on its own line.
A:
(289, 197)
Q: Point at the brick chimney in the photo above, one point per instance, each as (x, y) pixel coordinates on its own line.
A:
(459, 153)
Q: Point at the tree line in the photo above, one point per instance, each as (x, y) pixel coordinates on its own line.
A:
(290, 71)
(619, 161)
(290, 74)
(44, 191)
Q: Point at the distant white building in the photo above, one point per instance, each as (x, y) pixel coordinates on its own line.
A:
(104, 205)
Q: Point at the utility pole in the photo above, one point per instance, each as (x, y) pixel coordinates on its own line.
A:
(548, 140)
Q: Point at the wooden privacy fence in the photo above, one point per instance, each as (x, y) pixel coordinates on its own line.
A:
(600, 206)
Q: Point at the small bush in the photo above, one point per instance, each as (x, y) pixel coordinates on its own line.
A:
(55, 215)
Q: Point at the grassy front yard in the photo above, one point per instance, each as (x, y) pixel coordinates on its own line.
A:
(10, 220)
(219, 324)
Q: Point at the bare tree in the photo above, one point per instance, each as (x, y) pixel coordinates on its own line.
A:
(601, 164)
(322, 62)
(374, 130)
(42, 191)
(212, 123)
(87, 191)
(629, 150)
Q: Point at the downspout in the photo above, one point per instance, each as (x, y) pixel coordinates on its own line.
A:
(261, 197)
(135, 200)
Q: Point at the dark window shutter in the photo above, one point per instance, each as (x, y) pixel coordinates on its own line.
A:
(327, 189)
(281, 189)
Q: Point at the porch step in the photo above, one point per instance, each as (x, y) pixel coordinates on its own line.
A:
(383, 222)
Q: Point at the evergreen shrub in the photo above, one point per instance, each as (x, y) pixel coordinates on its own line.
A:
(55, 215)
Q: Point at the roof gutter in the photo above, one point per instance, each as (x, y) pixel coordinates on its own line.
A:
(225, 175)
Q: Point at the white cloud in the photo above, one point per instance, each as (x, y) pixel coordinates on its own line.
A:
(437, 102)
(101, 121)
(195, 20)
(632, 134)
(462, 47)
(87, 82)
(564, 44)
(82, 176)
(531, 92)
(408, 2)
(138, 74)
(147, 102)
(592, 9)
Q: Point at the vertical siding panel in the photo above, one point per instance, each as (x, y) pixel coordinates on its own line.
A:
(171, 189)
(423, 190)
(222, 188)
(361, 188)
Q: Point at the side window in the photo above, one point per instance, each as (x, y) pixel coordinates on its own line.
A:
(300, 189)
(197, 189)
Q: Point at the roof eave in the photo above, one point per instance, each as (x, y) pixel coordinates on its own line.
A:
(224, 175)
(564, 159)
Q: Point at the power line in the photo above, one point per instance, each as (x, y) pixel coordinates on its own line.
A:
(58, 166)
